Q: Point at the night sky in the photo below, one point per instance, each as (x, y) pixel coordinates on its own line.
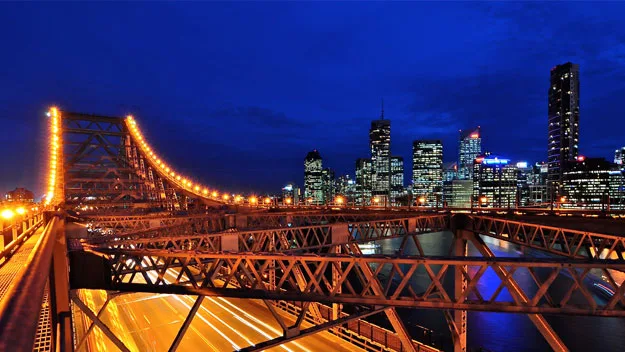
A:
(237, 94)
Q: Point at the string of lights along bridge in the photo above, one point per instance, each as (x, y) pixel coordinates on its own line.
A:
(126, 253)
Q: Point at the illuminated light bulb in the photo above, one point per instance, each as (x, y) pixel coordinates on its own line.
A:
(226, 197)
(197, 188)
(253, 200)
(215, 194)
(205, 191)
(178, 178)
(167, 169)
(20, 210)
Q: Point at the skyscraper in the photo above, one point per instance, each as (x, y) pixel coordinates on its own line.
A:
(563, 128)
(427, 170)
(363, 181)
(469, 149)
(380, 144)
(313, 180)
(397, 177)
(328, 185)
(619, 156)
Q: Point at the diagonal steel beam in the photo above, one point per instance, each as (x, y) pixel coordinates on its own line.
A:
(186, 323)
(312, 330)
(105, 329)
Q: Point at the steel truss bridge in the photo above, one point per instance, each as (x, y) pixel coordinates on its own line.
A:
(152, 221)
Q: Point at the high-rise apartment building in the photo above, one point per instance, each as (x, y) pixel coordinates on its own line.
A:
(563, 119)
(494, 182)
(380, 145)
(470, 148)
(397, 177)
(313, 179)
(427, 171)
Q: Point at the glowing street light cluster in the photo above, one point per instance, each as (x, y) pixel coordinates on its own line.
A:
(55, 145)
(173, 176)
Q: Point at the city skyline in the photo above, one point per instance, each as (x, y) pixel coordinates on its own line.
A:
(233, 127)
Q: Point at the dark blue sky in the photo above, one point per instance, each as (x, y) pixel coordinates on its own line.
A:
(238, 93)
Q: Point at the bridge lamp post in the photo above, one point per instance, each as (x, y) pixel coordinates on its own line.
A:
(422, 201)
(339, 200)
(562, 201)
(483, 201)
(253, 200)
(376, 201)
(288, 201)
(267, 201)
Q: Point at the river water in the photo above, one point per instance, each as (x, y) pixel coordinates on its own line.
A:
(502, 331)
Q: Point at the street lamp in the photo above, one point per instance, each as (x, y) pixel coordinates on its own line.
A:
(20, 211)
(267, 200)
(376, 200)
(288, 201)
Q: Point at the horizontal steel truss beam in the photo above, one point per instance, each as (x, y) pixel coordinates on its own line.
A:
(570, 243)
(281, 239)
(209, 274)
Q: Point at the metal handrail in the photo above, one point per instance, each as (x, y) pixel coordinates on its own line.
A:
(20, 308)
(4, 252)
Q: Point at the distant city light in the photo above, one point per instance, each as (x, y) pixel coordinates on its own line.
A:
(521, 164)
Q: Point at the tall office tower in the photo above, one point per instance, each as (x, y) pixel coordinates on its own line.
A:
(563, 121)
(313, 181)
(363, 181)
(346, 187)
(397, 177)
(427, 171)
(524, 171)
(470, 148)
(380, 144)
(619, 156)
(592, 183)
(537, 182)
(494, 182)
(328, 185)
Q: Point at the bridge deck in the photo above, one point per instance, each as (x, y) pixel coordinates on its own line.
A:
(9, 270)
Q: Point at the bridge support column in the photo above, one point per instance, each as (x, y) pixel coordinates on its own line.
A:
(459, 326)
(340, 234)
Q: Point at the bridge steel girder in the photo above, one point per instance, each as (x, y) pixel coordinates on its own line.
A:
(285, 239)
(555, 240)
(213, 271)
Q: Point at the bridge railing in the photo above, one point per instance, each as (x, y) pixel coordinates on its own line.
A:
(44, 271)
(17, 232)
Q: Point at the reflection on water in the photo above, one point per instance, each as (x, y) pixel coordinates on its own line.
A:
(370, 248)
(504, 331)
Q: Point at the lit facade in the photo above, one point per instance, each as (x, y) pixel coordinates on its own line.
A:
(313, 180)
(450, 171)
(537, 184)
(469, 148)
(461, 192)
(397, 177)
(346, 187)
(380, 145)
(363, 181)
(563, 120)
(427, 171)
(592, 183)
(328, 185)
(494, 182)
(619, 156)
(524, 175)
